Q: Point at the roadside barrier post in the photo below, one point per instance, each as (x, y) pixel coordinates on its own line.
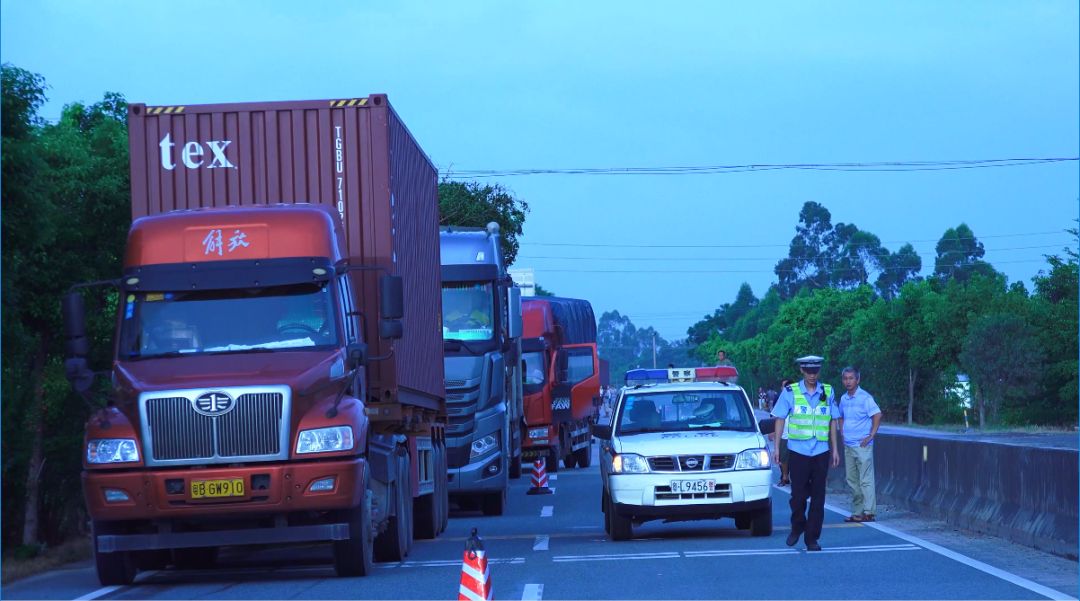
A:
(539, 478)
(475, 575)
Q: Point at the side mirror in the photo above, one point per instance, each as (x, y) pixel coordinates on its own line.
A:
(767, 426)
(601, 432)
(355, 355)
(73, 310)
(390, 329)
(515, 327)
(391, 298)
(78, 374)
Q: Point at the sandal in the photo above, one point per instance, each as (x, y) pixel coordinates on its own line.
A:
(854, 518)
(784, 483)
(867, 517)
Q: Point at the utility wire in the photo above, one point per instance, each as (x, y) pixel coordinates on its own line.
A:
(600, 245)
(878, 166)
(677, 259)
(685, 271)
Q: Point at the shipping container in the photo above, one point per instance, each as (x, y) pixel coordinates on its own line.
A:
(353, 155)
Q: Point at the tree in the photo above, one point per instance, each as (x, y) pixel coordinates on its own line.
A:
(809, 254)
(1002, 355)
(469, 204)
(959, 255)
(897, 269)
(727, 315)
(541, 291)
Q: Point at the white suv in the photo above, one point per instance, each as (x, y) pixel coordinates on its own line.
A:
(683, 445)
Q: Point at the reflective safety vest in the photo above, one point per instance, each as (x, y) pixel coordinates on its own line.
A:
(806, 422)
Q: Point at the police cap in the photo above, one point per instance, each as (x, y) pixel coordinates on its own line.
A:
(811, 363)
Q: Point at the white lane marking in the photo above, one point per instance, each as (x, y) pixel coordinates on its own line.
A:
(911, 548)
(533, 592)
(449, 563)
(547, 510)
(1020, 581)
(578, 558)
(553, 477)
(101, 592)
(690, 554)
(541, 543)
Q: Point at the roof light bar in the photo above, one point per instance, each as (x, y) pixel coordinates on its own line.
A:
(681, 374)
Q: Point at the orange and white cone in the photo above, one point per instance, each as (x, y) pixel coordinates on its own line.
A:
(539, 478)
(475, 576)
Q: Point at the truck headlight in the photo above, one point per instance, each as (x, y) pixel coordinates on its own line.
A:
(629, 463)
(112, 450)
(541, 433)
(484, 446)
(325, 440)
(752, 459)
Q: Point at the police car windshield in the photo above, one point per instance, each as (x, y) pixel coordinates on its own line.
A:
(168, 324)
(684, 411)
(468, 312)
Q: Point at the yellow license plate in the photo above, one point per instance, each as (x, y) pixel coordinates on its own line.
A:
(212, 489)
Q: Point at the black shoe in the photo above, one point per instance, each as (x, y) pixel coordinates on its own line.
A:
(793, 538)
(812, 546)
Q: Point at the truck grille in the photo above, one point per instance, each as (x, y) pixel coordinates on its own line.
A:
(252, 430)
(691, 463)
(461, 407)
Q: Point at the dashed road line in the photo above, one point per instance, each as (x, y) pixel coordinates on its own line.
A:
(619, 557)
(553, 477)
(547, 510)
(541, 543)
(101, 592)
(533, 592)
(450, 563)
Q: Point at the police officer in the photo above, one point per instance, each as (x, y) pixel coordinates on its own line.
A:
(810, 409)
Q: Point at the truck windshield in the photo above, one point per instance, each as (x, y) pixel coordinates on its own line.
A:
(682, 411)
(535, 370)
(221, 321)
(467, 311)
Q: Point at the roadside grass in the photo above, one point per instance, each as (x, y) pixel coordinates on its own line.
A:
(14, 568)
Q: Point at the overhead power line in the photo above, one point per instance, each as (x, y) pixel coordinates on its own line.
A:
(687, 271)
(603, 245)
(875, 166)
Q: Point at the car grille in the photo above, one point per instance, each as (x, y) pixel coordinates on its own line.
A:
(691, 463)
(663, 493)
(179, 433)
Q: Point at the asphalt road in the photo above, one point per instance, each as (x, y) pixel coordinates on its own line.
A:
(554, 547)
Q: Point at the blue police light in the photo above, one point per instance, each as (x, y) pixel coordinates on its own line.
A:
(646, 376)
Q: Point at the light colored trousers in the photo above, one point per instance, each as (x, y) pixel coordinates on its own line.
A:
(859, 462)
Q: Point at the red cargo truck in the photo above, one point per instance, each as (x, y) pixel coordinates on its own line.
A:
(562, 380)
(278, 369)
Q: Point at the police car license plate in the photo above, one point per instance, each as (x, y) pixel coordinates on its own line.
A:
(212, 489)
(693, 486)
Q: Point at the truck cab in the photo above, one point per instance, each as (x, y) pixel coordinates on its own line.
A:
(481, 328)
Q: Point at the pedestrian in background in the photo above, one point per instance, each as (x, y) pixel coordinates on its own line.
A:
(771, 395)
(860, 417)
(761, 397)
(809, 410)
(722, 360)
(782, 443)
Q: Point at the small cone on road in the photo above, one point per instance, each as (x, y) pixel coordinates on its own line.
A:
(475, 576)
(539, 478)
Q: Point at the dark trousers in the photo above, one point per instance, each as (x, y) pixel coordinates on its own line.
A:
(808, 476)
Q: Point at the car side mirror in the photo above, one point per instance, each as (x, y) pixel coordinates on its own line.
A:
(601, 432)
(355, 355)
(767, 426)
(514, 328)
(391, 297)
(73, 309)
(78, 374)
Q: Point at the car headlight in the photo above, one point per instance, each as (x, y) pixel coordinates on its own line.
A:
(629, 463)
(325, 440)
(538, 432)
(753, 459)
(112, 450)
(484, 446)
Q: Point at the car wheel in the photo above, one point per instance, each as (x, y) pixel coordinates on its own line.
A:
(762, 523)
(744, 521)
(621, 526)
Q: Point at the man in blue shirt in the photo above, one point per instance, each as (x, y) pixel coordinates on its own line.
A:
(860, 417)
(810, 411)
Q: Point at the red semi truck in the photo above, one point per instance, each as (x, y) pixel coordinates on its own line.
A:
(562, 380)
(278, 365)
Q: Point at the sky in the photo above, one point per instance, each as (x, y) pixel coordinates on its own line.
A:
(501, 85)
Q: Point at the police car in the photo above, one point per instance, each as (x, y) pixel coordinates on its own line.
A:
(684, 444)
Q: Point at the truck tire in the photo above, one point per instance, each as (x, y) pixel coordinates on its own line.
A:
(762, 523)
(113, 569)
(621, 526)
(583, 456)
(394, 542)
(515, 468)
(352, 557)
(494, 503)
(195, 558)
(427, 510)
(157, 559)
(570, 461)
(444, 496)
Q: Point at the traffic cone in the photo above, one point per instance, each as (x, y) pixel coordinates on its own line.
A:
(475, 576)
(539, 478)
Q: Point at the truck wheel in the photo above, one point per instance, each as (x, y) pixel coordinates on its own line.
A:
(113, 569)
(570, 461)
(444, 496)
(393, 543)
(352, 557)
(494, 503)
(621, 526)
(552, 461)
(583, 456)
(762, 523)
(157, 559)
(426, 515)
(515, 468)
